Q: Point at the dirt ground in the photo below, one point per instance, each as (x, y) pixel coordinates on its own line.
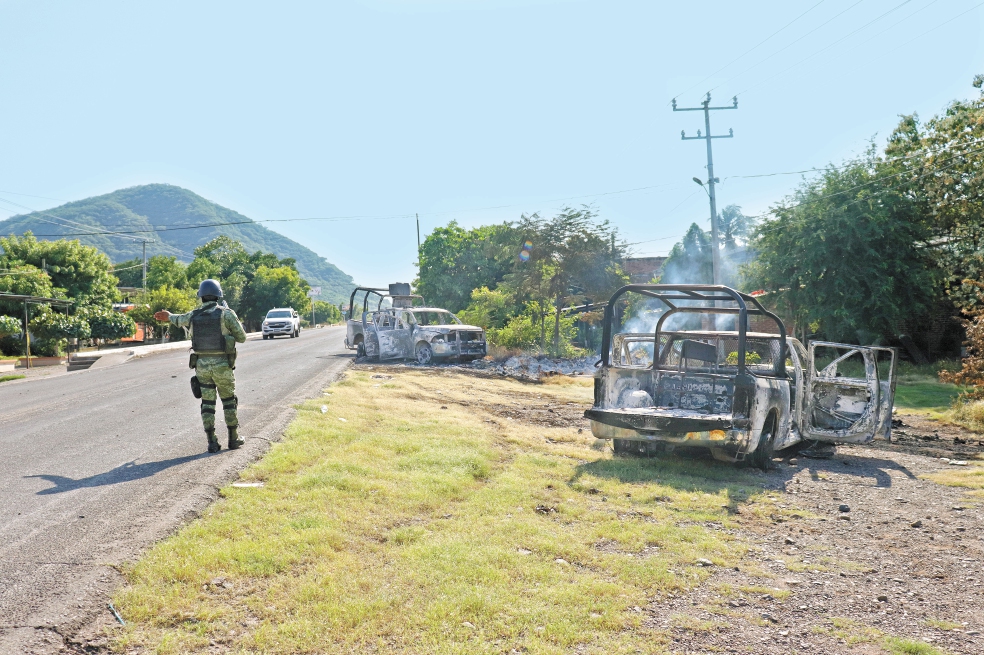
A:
(875, 550)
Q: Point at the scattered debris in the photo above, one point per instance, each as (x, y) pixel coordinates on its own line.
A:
(116, 614)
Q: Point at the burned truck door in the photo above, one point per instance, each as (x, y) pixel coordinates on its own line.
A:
(393, 335)
(846, 393)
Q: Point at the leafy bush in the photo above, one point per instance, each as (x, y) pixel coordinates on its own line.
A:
(51, 325)
(9, 326)
(110, 325)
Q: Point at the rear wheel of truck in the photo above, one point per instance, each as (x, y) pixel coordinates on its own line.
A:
(424, 353)
(762, 457)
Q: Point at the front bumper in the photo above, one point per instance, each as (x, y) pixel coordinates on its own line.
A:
(458, 349)
(286, 329)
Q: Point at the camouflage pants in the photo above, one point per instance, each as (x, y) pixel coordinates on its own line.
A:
(215, 375)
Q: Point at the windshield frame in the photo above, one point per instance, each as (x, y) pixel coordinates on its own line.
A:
(413, 312)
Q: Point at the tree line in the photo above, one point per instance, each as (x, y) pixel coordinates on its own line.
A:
(252, 282)
(62, 270)
(516, 278)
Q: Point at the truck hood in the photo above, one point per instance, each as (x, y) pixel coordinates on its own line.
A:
(452, 327)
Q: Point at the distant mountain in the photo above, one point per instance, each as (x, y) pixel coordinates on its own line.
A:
(168, 209)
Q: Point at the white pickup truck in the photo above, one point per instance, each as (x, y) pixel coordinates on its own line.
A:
(703, 379)
(283, 321)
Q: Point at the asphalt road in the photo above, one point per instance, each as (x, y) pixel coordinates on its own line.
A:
(97, 465)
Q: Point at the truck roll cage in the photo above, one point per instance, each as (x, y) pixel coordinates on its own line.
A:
(399, 293)
(738, 303)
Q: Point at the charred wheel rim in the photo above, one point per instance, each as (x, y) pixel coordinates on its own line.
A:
(424, 353)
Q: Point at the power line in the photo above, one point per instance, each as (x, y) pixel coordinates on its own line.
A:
(789, 45)
(932, 29)
(828, 47)
(753, 48)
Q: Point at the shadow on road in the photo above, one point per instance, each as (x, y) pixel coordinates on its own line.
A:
(122, 473)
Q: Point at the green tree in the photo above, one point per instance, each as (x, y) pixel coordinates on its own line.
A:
(280, 286)
(110, 325)
(489, 309)
(166, 271)
(454, 261)
(846, 253)
(691, 259)
(50, 324)
(176, 301)
(9, 326)
(129, 273)
(940, 166)
(325, 312)
(574, 258)
(80, 272)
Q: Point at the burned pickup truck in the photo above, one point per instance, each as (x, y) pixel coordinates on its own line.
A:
(404, 330)
(703, 378)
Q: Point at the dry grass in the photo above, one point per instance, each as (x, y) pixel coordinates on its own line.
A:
(423, 523)
(970, 477)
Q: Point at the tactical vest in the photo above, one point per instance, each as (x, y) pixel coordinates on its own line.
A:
(206, 331)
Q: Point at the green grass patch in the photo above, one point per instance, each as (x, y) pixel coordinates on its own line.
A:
(854, 632)
(899, 646)
(8, 378)
(426, 524)
(925, 396)
(942, 624)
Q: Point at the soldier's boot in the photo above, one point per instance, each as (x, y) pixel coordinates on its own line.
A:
(235, 441)
(230, 406)
(213, 442)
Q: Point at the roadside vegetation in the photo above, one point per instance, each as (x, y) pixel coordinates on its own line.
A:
(8, 378)
(253, 283)
(62, 270)
(413, 515)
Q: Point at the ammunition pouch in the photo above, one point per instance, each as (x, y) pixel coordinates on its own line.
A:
(193, 360)
(196, 386)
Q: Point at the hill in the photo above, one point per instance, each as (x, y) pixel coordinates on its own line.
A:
(175, 213)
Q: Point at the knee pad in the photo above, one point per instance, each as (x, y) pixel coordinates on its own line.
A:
(230, 403)
(208, 407)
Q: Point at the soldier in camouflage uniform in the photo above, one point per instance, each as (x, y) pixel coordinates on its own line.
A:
(215, 331)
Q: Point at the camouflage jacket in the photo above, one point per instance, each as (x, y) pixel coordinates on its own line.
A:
(230, 322)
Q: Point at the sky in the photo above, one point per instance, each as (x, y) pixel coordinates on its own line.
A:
(370, 112)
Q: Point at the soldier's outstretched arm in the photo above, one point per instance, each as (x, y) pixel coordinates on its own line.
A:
(181, 320)
(234, 326)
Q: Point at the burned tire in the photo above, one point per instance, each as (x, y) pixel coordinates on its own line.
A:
(762, 457)
(360, 350)
(424, 353)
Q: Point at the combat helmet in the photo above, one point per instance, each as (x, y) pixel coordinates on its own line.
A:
(210, 288)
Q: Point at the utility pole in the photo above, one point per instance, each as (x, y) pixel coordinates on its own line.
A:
(418, 234)
(145, 266)
(711, 180)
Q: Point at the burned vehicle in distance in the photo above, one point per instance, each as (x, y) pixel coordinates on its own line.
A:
(404, 330)
(702, 378)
